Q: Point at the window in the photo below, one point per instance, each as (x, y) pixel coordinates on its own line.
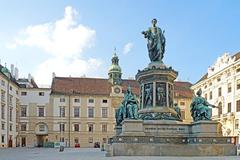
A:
(104, 112)
(23, 127)
(182, 114)
(3, 111)
(91, 100)
(229, 87)
(238, 106)
(62, 99)
(104, 128)
(90, 112)
(219, 109)
(76, 127)
(205, 86)
(23, 111)
(236, 123)
(90, 140)
(219, 79)
(210, 84)
(205, 96)
(219, 92)
(62, 127)
(40, 111)
(77, 100)
(3, 126)
(10, 87)
(62, 111)
(23, 93)
(3, 138)
(41, 128)
(90, 127)
(229, 107)
(210, 95)
(41, 93)
(3, 83)
(3, 96)
(10, 127)
(182, 103)
(104, 101)
(10, 113)
(76, 111)
(238, 70)
(76, 140)
(238, 84)
(61, 139)
(10, 100)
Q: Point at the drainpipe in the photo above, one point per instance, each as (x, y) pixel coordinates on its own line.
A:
(69, 124)
(7, 105)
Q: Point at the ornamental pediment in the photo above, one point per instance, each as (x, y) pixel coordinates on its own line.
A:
(222, 62)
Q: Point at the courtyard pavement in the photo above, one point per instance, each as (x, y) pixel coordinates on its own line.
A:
(83, 154)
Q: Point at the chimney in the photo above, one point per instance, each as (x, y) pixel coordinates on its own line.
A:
(53, 75)
(29, 77)
(12, 70)
(16, 73)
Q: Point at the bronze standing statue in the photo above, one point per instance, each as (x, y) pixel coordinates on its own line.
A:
(156, 42)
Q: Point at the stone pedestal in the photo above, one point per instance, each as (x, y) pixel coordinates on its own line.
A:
(156, 97)
(205, 128)
(132, 127)
(118, 130)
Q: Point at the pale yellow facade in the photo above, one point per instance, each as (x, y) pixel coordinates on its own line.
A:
(9, 102)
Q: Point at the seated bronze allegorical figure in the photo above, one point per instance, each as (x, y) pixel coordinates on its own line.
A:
(128, 108)
(200, 109)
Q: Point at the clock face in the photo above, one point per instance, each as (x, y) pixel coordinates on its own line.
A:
(117, 90)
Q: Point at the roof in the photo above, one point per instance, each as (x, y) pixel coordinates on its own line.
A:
(88, 86)
(98, 86)
(11, 78)
(182, 89)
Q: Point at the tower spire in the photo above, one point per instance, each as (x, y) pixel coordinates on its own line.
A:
(115, 72)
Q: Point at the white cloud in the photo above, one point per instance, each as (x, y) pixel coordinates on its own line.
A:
(127, 48)
(65, 67)
(65, 40)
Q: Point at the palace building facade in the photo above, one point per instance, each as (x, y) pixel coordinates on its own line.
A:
(76, 111)
(221, 87)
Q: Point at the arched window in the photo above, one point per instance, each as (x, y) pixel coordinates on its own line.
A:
(219, 109)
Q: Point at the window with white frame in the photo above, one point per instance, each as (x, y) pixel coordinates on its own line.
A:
(62, 127)
(76, 100)
(76, 112)
(104, 112)
(40, 111)
(23, 127)
(90, 112)
(62, 111)
(23, 111)
(62, 99)
(104, 127)
(76, 127)
(3, 111)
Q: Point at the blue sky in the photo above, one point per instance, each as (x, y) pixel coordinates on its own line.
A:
(78, 37)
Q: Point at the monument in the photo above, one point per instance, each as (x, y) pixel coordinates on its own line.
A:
(153, 127)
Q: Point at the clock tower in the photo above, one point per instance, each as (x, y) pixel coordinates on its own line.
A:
(115, 72)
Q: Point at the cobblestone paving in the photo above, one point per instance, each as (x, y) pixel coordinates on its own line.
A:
(83, 154)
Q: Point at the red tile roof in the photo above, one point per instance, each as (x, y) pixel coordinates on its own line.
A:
(97, 86)
(182, 90)
(88, 86)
